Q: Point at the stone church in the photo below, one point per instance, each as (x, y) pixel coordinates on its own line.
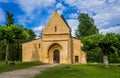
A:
(56, 44)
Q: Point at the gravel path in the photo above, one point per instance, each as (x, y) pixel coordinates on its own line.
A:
(26, 73)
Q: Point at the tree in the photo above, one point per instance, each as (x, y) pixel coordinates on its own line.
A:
(90, 45)
(9, 18)
(31, 33)
(118, 44)
(12, 33)
(94, 55)
(86, 26)
(104, 42)
(113, 55)
(2, 49)
(18, 46)
(14, 48)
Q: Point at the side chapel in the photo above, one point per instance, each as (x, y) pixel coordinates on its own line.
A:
(56, 44)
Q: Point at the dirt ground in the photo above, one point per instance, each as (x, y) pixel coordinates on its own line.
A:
(26, 73)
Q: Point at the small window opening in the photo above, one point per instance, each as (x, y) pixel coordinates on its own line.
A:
(55, 29)
(76, 59)
(39, 45)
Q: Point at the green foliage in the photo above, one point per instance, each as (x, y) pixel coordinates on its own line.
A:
(91, 46)
(117, 45)
(10, 34)
(2, 49)
(81, 71)
(114, 57)
(107, 44)
(94, 55)
(86, 26)
(16, 35)
(13, 32)
(92, 41)
(31, 33)
(19, 33)
(108, 40)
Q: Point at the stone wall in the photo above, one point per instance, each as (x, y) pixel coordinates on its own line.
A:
(78, 52)
(30, 51)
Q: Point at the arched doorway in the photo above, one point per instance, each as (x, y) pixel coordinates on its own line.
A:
(54, 53)
(56, 56)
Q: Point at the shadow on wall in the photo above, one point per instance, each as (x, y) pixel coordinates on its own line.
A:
(35, 55)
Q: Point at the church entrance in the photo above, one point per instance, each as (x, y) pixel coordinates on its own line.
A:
(56, 56)
(54, 53)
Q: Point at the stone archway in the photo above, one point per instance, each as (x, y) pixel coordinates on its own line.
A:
(54, 53)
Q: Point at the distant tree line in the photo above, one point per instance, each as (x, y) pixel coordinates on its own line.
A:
(11, 38)
(98, 47)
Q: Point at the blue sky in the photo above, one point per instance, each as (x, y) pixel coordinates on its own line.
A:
(34, 14)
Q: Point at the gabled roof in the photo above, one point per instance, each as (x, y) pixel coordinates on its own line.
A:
(65, 21)
(59, 21)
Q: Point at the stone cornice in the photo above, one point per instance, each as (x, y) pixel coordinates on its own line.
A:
(54, 40)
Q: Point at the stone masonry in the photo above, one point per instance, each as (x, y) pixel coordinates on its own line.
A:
(56, 44)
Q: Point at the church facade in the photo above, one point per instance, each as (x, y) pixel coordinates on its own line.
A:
(55, 46)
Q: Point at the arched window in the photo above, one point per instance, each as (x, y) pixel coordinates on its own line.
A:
(55, 29)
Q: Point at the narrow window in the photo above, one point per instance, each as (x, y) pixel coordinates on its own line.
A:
(39, 45)
(55, 29)
(76, 58)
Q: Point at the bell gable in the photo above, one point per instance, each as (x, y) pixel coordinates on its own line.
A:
(57, 25)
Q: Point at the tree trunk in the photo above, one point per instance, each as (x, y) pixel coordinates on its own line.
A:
(7, 51)
(105, 60)
(18, 51)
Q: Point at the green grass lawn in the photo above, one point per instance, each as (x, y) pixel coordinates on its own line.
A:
(81, 71)
(18, 65)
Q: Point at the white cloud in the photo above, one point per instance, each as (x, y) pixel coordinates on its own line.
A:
(2, 16)
(73, 23)
(108, 16)
(3, 1)
(60, 11)
(85, 4)
(106, 13)
(37, 30)
(60, 8)
(73, 15)
(23, 20)
(112, 1)
(111, 29)
(29, 6)
(59, 5)
(71, 2)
